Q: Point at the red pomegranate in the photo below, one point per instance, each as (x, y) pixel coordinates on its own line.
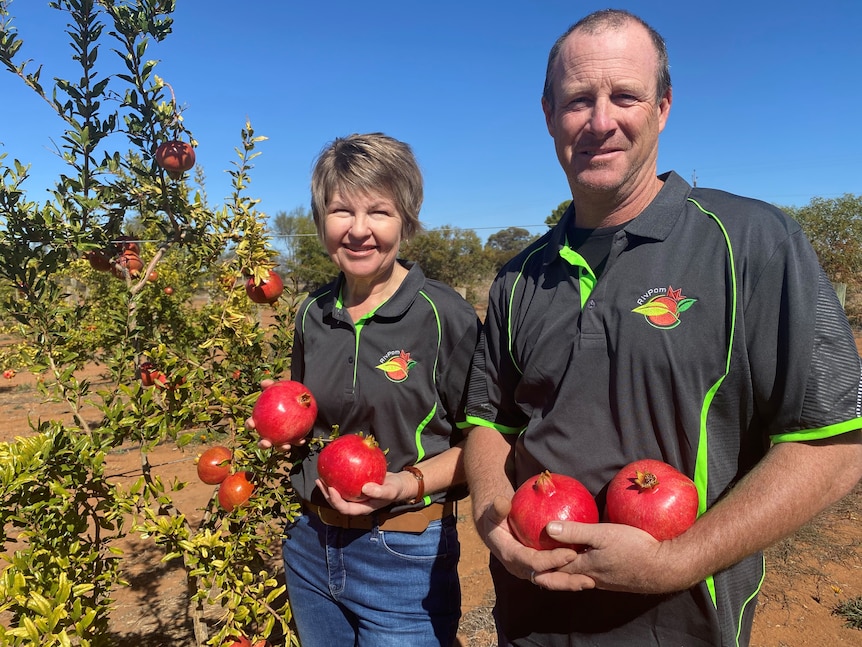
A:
(653, 496)
(266, 291)
(130, 262)
(549, 497)
(349, 462)
(128, 244)
(234, 491)
(151, 376)
(98, 261)
(214, 465)
(176, 157)
(284, 412)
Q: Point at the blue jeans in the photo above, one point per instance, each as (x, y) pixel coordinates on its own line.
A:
(373, 588)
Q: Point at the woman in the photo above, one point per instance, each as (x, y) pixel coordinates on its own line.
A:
(382, 571)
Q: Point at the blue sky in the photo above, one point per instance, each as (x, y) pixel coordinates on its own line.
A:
(766, 96)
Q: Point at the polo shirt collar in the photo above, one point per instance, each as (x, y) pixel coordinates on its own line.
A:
(656, 221)
(394, 307)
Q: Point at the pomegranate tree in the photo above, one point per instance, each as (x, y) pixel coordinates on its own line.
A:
(549, 497)
(284, 413)
(653, 496)
(349, 462)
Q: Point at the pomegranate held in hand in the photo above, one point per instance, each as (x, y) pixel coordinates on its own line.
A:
(214, 465)
(284, 412)
(349, 462)
(266, 291)
(549, 497)
(234, 491)
(653, 496)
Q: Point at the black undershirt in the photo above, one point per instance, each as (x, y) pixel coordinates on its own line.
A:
(593, 244)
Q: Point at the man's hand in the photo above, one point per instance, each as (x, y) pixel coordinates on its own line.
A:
(619, 558)
(538, 566)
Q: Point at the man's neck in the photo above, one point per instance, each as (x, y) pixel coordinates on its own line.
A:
(594, 210)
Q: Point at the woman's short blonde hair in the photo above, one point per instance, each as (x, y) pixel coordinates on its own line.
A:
(369, 163)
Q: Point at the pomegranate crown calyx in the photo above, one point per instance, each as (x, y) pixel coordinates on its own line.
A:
(368, 439)
(646, 480)
(544, 482)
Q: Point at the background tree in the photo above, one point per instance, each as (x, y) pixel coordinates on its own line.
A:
(557, 213)
(449, 254)
(834, 227)
(303, 258)
(504, 244)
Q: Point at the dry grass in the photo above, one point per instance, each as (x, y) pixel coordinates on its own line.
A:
(477, 628)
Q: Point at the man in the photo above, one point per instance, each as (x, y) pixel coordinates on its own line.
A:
(654, 321)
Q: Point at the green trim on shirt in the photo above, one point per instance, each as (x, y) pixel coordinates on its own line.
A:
(586, 277)
(821, 432)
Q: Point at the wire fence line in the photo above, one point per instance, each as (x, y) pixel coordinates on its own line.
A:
(314, 235)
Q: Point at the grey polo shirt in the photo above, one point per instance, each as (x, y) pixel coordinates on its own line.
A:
(400, 373)
(711, 333)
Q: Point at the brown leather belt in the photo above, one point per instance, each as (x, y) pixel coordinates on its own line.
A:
(411, 521)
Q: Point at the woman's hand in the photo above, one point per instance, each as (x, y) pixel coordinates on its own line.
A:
(395, 487)
(263, 443)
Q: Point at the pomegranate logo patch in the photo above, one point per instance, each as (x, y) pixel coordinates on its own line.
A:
(662, 308)
(396, 365)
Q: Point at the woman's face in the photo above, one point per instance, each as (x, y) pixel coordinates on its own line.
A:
(362, 234)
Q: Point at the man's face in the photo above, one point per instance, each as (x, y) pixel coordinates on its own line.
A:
(605, 120)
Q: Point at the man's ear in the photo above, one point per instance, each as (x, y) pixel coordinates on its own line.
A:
(549, 116)
(664, 108)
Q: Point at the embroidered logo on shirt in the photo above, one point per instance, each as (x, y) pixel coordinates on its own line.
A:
(662, 308)
(396, 365)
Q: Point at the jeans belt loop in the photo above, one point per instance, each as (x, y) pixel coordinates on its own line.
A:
(410, 521)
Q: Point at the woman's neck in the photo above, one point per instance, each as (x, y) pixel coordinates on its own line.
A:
(361, 297)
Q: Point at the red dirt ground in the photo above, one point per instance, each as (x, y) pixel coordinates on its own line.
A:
(808, 574)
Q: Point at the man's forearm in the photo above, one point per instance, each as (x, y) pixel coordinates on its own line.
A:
(792, 484)
(485, 457)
